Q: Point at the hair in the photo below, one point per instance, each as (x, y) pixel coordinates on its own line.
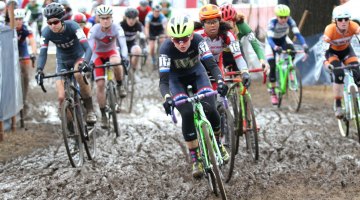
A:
(240, 18)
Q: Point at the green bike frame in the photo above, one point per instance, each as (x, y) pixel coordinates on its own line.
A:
(283, 73)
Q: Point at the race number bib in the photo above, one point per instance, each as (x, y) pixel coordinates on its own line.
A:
(203, 48)
(164, 61)
(234, 46)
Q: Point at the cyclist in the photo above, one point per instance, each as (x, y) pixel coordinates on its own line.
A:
(24, 32)
(143, 9)
(132, 27)
(103, 39)
(337, 36)
(243, 30)
(277, 40)
(36, 14)
(72, 50)
(81, 20)
(155, 24)
(217, 35)
(179, 66)
(165, 8)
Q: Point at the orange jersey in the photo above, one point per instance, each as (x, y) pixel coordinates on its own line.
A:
(339, 41)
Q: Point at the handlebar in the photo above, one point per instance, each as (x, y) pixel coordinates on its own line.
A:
(60, 74)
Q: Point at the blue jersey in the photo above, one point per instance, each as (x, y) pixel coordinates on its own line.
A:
(156, 24)
(277, 32)
(71, 44)
(22, 34)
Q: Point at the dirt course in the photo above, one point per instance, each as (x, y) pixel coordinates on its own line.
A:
(302, 155)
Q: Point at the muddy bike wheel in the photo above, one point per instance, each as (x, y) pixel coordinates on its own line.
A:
(294, 90)
(235, 109)
(343, 124)
(251, 134)
(111, 98)
(229, 142)
(213, 160)
(209, 174)
(356, 111)
(71, 134)
(90, 142)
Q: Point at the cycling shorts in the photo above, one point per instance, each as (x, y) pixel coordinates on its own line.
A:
(99, 59)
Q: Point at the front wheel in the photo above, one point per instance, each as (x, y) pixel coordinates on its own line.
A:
(111, 98)
(356, 111)
(213, 161)
(251, 134)
(294, 89)
(71, 134)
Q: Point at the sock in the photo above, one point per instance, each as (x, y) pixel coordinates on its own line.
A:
(119, 83)
(103, 112)
(338, 102)
(273, 90)
(194, 154)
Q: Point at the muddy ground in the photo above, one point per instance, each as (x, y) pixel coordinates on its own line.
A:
(302, 154)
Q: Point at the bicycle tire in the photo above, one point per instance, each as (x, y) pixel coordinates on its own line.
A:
(356, 110)
(90, 142)
(251, 134)
(234, 105)
(209, 174)
(112, 104)
(343, 124)
(215, 168)
(294, 89)
(76, 156)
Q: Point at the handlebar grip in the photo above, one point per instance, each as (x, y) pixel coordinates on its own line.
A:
(173, 117)
(43, 88)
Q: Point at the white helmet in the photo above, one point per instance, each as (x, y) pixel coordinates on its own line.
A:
(104, 10)
(340, 12)
(19, 13)
(82, 9)
(2, 5)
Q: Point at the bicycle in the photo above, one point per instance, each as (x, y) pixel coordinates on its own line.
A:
(111, 96)
(129, 83)
(244, 120)
(210, 153)
(350, 103)
(77, 134)
(288, 80)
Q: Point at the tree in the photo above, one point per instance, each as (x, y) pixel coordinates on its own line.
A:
(319, 14)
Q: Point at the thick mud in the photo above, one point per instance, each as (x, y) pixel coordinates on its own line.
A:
(302, 155)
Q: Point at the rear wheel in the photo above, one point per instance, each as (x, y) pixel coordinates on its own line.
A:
(126, 103)
(90, 141)
(294, 89)
(111, 98)
(356, 111)
(344, 122)
(213, 160)
(251, 134)
(71, 134)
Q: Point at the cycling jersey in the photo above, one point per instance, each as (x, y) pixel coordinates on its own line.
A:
(70, 44)
(218, 44)
(277, 32)
(156, 27)
(106, 41)
(131, 32)
(34, 9)
(22, 34)
(339, 41)
(143, 13)
(176, 67)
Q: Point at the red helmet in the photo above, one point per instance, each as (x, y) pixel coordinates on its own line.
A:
(228, 12)
(79, 18)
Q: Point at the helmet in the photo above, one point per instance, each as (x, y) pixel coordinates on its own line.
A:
(228, 12)
(54, 10)
(131, 13)
(340, 12)
(209, 11)
(144, 3)
(104, 10)
(156, 8)
(19, 13)
(2, 5)
(82, 9)
(180, 26)
(282, 10)
(79, 18)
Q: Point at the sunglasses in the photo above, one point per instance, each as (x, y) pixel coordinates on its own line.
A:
(211, 22)
(342, 19)
(182, 39)
(282, 17)
(55, 22)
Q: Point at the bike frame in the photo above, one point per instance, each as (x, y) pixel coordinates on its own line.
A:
(284, 58)
(348, 83)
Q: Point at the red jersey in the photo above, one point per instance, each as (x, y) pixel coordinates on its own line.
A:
(143, 13)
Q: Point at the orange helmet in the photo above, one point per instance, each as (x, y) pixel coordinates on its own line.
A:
(209, 11)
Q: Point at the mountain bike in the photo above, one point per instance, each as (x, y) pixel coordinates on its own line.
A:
(288, 80)
(244, 121)
(129, 83)
(210, 153)
(77, 134)
(350, 104)
(111, 96)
